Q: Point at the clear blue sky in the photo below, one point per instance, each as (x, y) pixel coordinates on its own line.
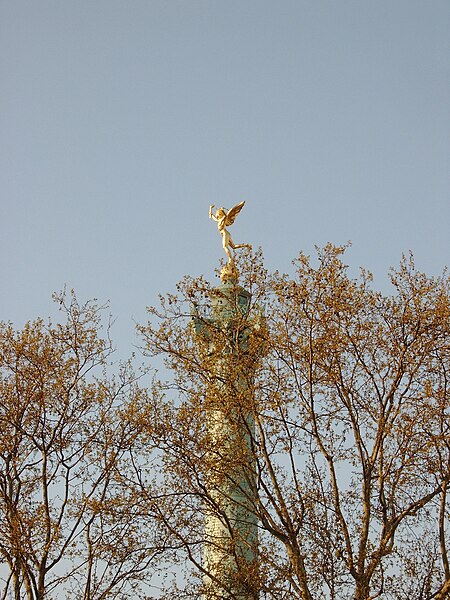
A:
(120, 122)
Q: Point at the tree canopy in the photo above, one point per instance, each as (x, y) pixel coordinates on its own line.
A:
(68, 526)
(326, 405)
(351, 446)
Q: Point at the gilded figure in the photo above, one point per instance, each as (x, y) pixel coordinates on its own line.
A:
(224, 218)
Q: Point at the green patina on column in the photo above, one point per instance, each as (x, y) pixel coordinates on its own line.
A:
(232, 341)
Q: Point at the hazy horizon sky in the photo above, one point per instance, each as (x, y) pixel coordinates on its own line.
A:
(122, 121)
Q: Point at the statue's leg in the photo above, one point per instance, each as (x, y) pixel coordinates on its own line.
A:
(226, 242)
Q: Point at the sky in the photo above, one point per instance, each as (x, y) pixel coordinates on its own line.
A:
(122, 121)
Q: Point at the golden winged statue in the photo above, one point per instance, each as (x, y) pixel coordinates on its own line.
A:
(224, 218)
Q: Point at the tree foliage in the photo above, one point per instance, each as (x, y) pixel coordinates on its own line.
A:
(322, 414)
(350, 454)
(68, 526)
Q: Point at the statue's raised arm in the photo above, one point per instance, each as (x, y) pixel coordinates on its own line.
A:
(224, 218)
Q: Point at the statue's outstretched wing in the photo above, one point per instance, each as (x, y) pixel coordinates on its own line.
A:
(233, 213)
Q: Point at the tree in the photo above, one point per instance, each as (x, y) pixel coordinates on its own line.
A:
(68, 526)
(350, 457)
